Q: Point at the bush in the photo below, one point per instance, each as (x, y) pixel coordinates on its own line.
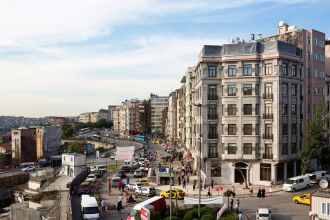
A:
(205, 210)
(190, 214)
(208, 217)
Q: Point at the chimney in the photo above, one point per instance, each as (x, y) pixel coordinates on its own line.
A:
(282, 27)
(252, 37)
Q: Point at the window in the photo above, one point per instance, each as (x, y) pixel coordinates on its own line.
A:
(284, 69)
(324, 208)
(247, 109)
(293, 109)
(257, 70)
(212, 114)
(268, 91)
(257, 109)
(293, 129)
(222, 129)
(247, 129)
(257, 129)
(231, 148)
(309, 90)
(268, 131)
(284, 129)
(294, 70)
(247, 70)
(285, 109)
(285, 89)
(247, 148)
(265, 172)
(213, 134)
(231, 109)
(294, 90)
(212, 92)
(215, 168)
(268, 111)
(257, 150)
(212, 71)
(222, 109)
(231, 90)
(231, 129)
(285, 149)
(232, 71)
(257, 89)
(247, 89)
(293, 148)
(268, 69)
(213, 150)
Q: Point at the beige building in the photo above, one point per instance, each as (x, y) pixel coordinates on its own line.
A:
(171, 120)
(181, 109)
(84, 117)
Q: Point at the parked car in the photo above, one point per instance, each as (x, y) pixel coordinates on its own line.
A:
(132, 168)
(98, 173)
(304, 199)
(179, 191)
(138, 173)
(296, 183)
(84, 188)
(144, 181)
(146, 191)
(91, 178)
(112, 157)
(125, 168)
(263, 214)
(173, 195)
(316, 176)
(29, 168)
(105, 155)
(121, 174)
(134, 186)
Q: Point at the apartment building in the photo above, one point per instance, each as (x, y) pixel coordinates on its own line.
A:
(84, 117)
(142, 117)
(158, 104)
(181, 107)
(111, 109)
(116, 119)
(23, 145)
(103, 114)
(171, 119)
(48, 141)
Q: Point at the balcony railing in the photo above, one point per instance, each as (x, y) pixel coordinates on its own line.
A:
(213, 136)
(212, 116)
(267, 156)
(268, 116)
(212, 97)
(213, 155)
(268, 136)
(268, 96)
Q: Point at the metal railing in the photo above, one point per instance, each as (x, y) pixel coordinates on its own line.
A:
(268, 136)
(268, 96)
(267, 156)
(268, 116)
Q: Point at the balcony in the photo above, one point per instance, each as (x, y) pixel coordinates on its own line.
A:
(213, 155)
(213, 136)
(267, 156)
(268, 96)
(212, 97)
(212, 116)
(268, 136)
(268, 116)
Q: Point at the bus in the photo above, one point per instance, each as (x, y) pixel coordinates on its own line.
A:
(97, 137)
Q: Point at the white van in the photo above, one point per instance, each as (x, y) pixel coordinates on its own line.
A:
(89, 207)
(296, 183)
(316, 176)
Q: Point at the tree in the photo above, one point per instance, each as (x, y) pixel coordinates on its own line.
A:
(73, 148)
(315, 140)
(67, 131)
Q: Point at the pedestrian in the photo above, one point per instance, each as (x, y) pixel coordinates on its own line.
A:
(272, 183)
(240, 216)
(184, 183)
(119, 185)
(103, 205)
(270, 191)
(237, 206)
(194, 186)
(234, 193)
(259, 193)
(263, 192)
(251, 192)
(209, 193)
(122, 187)
(212, 183)
(179, 179)
(231, 205)
(119, 203)
(127, 180)
(187, 178)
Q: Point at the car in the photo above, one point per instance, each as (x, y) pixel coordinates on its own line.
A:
(296, 183)
(144, 181)
(105, 155)
(29, 168)
(138, 173)
(125, 168)
(121, 174)
(146, 191)
(263, 214)
(134, 186)
(179, 191)
(112, 157)
(304, 199)
(84, 188)
(98, 173)
(91, 178)
(174, 195)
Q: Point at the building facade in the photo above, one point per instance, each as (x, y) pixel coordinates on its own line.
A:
(111, 109)
(23, 145)
(103, 114)
(171, 119)
(73, 164)
(143, 117)
(48, 141)
(158, 104)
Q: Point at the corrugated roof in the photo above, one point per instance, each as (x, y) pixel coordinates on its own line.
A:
(322, 194)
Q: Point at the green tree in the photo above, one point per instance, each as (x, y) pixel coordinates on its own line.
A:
(315, 140)
(73, 148)
(67, 131)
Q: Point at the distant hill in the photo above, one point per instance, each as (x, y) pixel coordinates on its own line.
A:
(10, 122)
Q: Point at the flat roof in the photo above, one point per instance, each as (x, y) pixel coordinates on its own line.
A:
(146, 202)
(321, 194)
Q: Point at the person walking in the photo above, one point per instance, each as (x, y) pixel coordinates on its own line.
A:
(179, 180)
(234, 193)
(240, 216)
(103, 205)
(188, 178)
(194, 186)
(212, 183)
(237, 205)
(119, 203)
(127, 180)
(251, 192)
(209, 193)
(231, 204)
(184, 183)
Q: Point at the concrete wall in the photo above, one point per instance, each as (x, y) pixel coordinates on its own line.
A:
(23, 211)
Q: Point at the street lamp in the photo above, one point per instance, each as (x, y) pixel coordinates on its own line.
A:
(200, 158)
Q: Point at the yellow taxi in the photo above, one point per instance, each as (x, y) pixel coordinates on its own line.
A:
(304, 199)
(176, 194)
(144, 181)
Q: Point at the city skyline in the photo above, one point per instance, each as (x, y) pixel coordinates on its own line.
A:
(92, 56)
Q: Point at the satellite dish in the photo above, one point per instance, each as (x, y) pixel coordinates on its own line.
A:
(323, 184)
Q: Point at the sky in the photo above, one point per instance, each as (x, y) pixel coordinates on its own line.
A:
(66, 57)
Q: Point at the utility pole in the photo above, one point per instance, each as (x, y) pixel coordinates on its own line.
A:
(171, 188)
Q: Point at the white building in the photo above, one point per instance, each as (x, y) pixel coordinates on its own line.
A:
(73, 164)
(171, 122)
(84, 117)
(320, 205)
(158, 104)
(103, 114)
